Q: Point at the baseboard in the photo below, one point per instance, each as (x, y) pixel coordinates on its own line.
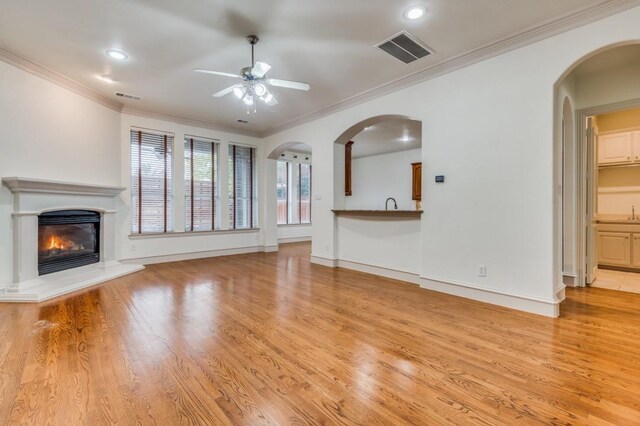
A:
(196, 255)
(269, 249)
(395, 274)
(569, 280)
(548, 308)
(293, 240)
(324, 261)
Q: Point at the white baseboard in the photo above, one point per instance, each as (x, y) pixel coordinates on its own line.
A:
(395, 274)
(569, 280)
(548, 308)
(197, 255)
(324, 261)
(293, 240)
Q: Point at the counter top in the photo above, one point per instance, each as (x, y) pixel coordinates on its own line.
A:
(617, 219)
(363, 212)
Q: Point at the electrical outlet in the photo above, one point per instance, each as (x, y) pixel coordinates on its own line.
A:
(482, 270)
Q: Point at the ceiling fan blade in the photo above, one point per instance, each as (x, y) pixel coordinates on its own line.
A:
(272, 101)
(224, 92)
(260, 69)
(225, 74)
(289, 84)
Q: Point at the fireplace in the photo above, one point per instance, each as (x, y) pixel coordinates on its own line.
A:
(67, 239)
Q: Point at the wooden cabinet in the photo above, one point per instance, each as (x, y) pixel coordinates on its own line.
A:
(619, 148)
(635, 250)
(614, 248)
(416, 181)
(616, 148)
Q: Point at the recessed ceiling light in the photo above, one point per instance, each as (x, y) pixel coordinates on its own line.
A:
(405, 139)
(116, 54)
(414, 13)
(106, 79)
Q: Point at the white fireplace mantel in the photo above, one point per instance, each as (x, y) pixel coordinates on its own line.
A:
(33, 197)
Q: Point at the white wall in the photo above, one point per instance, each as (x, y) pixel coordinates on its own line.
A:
(618, 190)
(499, 206)
(375, 178)
(50, 133)
(143, 248)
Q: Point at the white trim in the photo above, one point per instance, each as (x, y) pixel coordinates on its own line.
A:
(569, 280)
(269, 249)
(294, 240)
(56, 78)
(395, 274)
(41, 186)
(507, 44)
(535, 305)
(174, 234)
(324, 261)
(61, 283)
(178, 257)
(188, 121)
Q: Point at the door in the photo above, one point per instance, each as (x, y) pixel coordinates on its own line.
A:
(591, 254)
(615, 248)
(636, 146)
(615, 148)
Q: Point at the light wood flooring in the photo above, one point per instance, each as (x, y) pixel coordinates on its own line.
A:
(617, 280)
(269, 338)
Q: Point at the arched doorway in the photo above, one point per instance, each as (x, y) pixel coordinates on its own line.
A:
(597, 100)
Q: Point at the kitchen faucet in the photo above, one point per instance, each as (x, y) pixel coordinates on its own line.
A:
(386, 203)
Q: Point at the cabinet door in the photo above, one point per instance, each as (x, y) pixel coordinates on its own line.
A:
(636, 250)
(416, 181)
(636, 146)
(614, 248)
(615, 148)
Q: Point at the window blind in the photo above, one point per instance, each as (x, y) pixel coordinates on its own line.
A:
(242, 194)
(282, 185)
(151, 182)
(304, 192)
(201, 184)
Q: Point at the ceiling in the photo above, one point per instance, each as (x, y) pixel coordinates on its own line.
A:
(387, 136)
(329, 44)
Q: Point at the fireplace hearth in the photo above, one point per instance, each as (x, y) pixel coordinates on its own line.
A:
(67, 239)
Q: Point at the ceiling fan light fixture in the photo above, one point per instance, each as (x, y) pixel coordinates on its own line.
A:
(239, 92)
(267, 98)
(260, 89)
(248, 99)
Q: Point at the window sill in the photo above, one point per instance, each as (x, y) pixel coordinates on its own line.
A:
(191, 233)
(293, 225)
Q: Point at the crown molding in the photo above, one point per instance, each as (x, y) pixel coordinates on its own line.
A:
(188, 121)
(507, 44)
(39, 186)
(59, 79)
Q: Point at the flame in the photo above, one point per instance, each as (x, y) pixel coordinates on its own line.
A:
(56, 242)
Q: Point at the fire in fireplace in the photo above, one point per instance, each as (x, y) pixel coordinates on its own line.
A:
(67, 239)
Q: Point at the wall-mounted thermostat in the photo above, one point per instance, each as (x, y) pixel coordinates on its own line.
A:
(440, 179)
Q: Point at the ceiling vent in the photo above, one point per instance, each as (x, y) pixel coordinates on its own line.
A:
(128, 96)
(405, 47)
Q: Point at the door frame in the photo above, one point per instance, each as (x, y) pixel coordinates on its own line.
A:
(582, 222)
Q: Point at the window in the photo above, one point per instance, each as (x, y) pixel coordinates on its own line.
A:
(304, 192)
(201, 192)
(242, 194)
(282, 184)
(293, 182)
(151, 182)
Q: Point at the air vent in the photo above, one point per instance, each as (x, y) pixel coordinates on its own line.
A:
(129, 96)
(242, 121)
(405, 47)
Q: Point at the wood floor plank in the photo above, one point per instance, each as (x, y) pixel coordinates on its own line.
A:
(268, 338)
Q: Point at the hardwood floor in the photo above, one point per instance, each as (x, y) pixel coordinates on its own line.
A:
(270, 339)
(617, 280)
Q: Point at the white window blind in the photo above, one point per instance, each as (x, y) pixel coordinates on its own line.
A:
(151, 182)
(282, 185)
(304, 192)
(242, 183)
(201, 184)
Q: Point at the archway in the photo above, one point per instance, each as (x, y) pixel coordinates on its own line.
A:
(290, 167)
(600, 82)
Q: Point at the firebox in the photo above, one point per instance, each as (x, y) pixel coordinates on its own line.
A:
(67, 239)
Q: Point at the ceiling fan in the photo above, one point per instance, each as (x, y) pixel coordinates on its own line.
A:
(255, 84)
